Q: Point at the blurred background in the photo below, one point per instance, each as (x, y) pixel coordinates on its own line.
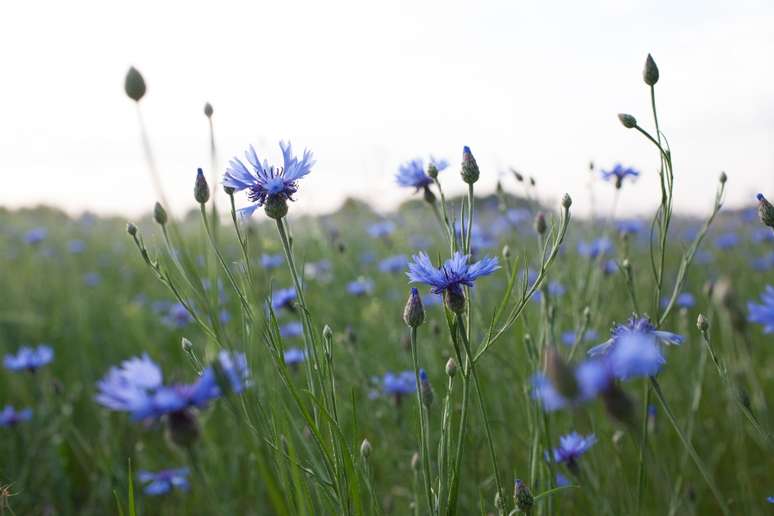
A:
(368, 85)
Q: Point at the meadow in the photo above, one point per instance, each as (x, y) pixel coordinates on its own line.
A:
(250, 360)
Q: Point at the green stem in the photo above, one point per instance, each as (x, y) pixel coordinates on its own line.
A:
(424, 443)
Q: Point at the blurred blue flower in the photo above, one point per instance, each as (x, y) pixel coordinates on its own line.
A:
(76, 246)
(35, 235)
(381, 229)
(394, 264)
(598, 247)
(763, 263)
(727, 241)
(10, 417)
(761, 235)
(398, 384)
(283, 298)
(618, 173)
(630, 227)
(636, 325)
(452, 275)
(164, 481)
(176, 316)
(571, 447)
(412, 173)
(555, 289)
(360, 287)
(291, 329)
(763, 313)
(294, 356)
(592, 377)
(569, 337)
(271, 261)
(561, 480)
(265, 182)
(29, 359)
(92, 279)
(609, 267)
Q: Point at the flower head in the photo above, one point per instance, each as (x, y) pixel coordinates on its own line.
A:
(10, 417)
(381, 229)
(283, 298)
(360, 287)
(266, 184)
(29, 359)
(763, 313)
(412, 173)
(294, 356)
(291, 329)
(271, 261)
(592, 378)
(595, 248)
(164, 481)
(618, 173)
(572, 446)
(452, 275)
(394, 264)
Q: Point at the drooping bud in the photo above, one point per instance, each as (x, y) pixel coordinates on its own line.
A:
(561, 374)
(470, 170)
(702, 323)
(134, 84)
(540, 223)
(365, 449)
(414, 312)
(201, 188)
(765, 211)
(628, 121)
(451, 368)
(522, 497)
(650, 72)
(276, 207)
(566, 201)
(159, 214)
(131, 229)
(208, 110)
(425, 389)
(455, 300)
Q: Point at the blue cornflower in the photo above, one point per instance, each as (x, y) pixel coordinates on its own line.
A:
(29, 359)
(283, 298)
(412, 173)
(592, 377)
(571, 447)
(595, 248)
(394, 264)
(177, 316)
(294, 356)
(619, 173)
(9, 416)
(451, 276)
(761, 235)
(630, 227)
(271, 261)
(770, 499)
(164, 481)
(291, 329)
(763, 313)
(35, 235)
(398, 384)
(381, 229)
(76, 246)
(609, 267)
(685, 300)
(266, 184)
(763, 263)
(727, 241)
(569, 337)
(360, 287)
(555, 289)
(517, 216)
(92, 279)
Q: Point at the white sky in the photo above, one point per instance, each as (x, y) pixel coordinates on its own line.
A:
(367, 85)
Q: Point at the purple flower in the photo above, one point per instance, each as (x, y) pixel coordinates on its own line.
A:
(412, 173)
(727, 241)
(176, 316)
(10, 417)
(592, 377)
(394, 264)
(283, 298)
(271, 261)
(381, 229)
(164, 481)
(294, 356)
(763, 313)
(29, 359)
(398, 384)
(266, 182)
(360, 287)
(571, 447)
(35, 235)
(595, 248)
(452, 275)
(569, 337)
(291, 329)
(76, 246)
(619, 173)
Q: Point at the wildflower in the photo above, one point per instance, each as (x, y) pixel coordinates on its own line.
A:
(571, 447)
(177, 316)
(29, 359)
(451, 276)
(394, 264)
(35, 235)
(271, 261)
(562, 481)
(92, 279)
(294, 356)
(164, 481)
(630, 227)
(360, 287)
(636, 325)
(619, 173)
(595, 248)
(470, 171)
(398, 384)
(609, 267)
(414, 313)
(268, 186)
(763, 313)
(10, 417)
(365, 449)
(412, 173)
(684, 300)
(591, 378)
(555, 289)
(291, 329)
(727, 241)
(283, 298)
(381, 229)
(522, 496)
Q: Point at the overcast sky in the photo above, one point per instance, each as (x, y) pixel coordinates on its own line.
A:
(367, 85)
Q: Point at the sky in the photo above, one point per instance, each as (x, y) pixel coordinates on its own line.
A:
(367, 85)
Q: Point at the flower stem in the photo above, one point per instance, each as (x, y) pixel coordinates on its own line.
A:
(423, 437)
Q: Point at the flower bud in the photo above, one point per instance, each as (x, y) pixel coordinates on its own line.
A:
(723, 178)
(470, 170)
(650, 72)
(182, 428)
(432, 170)
(187, 345)
(276, 207)
(425, 389)
(208, 110)
(201, 188)
(518, 175)
(540, 223)
(451, 368)
(365, 449)
(429, 196)
(561, 374)
(765, 211)
(415, 461)
(159, 214)
(414, 312)
(327, 332)
(702, 323)
(506, 252)
(522, 497)
(455, 300)
(134, 84)
(131, 229)
(628, 121)
(566, 201)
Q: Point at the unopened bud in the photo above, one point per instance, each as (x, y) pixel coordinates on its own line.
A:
(131, 229)
(455, 300)
(470, 170)
(628, 121)
(506, 252)
(134, 84)
(425, 389)
(522, 497)
(365, 449)
(765, 210)
(432, 170)
(723, 178)
(201, 188)
(414, 312)
(429, 195)
(159, 214)
(327, 332)
(540, 223)
(451, 368)
(187, 345)
(650, 72)
(208, 110)
(519, 177)
(566, 201)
